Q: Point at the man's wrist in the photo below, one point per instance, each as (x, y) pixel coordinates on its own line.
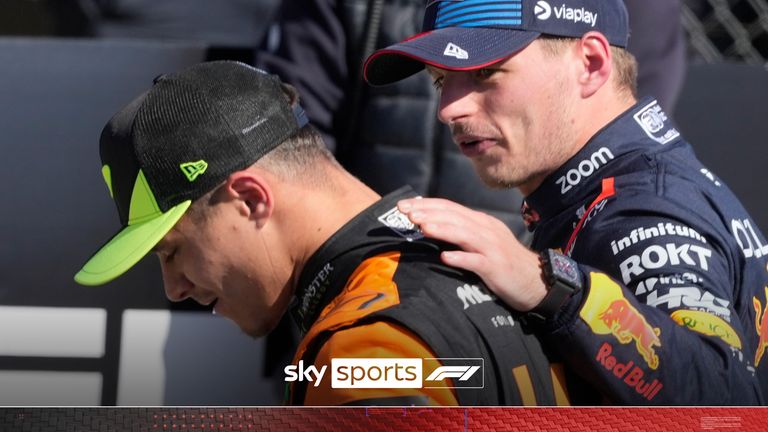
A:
(562, 278)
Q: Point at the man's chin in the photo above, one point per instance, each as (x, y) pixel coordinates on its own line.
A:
(496, 181)
(257, 333)
(493, 174)
(254, 330)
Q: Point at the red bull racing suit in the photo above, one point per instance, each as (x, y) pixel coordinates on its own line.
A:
(675, 270)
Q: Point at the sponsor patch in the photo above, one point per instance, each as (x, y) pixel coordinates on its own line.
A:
(649, 285)
(544, 11)
(748, 239)
(658, 256)
(399, 223)
(654, 122)
(707, 324)
(607, 311)
(472, 295)
(689, 297)
(661, 229)
(314, 292)
(761, 326)
(628, 373)
(584, 169)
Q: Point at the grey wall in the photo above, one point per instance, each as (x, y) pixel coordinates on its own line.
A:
(723, 112)
(60, 343)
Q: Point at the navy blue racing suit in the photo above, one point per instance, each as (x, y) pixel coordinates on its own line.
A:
(673, 309)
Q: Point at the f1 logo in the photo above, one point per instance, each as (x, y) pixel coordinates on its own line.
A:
(463, 372)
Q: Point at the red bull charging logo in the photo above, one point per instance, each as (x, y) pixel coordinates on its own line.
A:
(606, 311)
(761, 325)
(627, 325)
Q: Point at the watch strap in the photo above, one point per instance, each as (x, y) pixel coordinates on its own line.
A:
(563, 278)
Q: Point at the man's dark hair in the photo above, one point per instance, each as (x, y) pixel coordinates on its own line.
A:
(299, 156)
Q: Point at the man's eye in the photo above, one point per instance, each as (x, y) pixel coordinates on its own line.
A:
(485, 73)
(170, 256)
(167, 257)
(437, 83)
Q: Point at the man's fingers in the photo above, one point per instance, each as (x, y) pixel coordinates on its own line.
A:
(473, 262)
(464, 237)
(439, 217)
(441, 211)
(423, 204)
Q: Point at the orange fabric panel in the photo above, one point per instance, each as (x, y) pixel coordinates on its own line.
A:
(377, 340)
(558, 383)
(525, 385)
(370, 288)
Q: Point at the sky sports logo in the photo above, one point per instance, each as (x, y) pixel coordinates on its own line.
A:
(368, 373)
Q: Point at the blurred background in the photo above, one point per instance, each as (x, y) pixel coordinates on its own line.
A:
(67, 65)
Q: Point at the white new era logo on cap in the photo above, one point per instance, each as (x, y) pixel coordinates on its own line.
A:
(455, 51)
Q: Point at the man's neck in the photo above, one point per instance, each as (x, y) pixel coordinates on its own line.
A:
(594, 115)
(317, 214)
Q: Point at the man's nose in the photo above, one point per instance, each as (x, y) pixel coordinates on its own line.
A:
(456, 98)
(177, 286)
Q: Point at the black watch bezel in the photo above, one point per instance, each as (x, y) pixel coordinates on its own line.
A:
(563, 278)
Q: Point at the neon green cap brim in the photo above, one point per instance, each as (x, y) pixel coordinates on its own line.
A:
(129, 246)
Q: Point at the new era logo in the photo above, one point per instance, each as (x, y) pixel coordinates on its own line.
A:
(193, 169)
(453, 50)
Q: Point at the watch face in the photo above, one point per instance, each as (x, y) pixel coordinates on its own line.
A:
(565, 269)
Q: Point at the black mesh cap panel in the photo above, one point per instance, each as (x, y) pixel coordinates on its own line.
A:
(225, 113)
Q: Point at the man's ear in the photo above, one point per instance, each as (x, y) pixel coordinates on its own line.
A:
(253, 195)
(594, 52)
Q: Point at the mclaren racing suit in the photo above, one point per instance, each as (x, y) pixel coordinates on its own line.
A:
(676, 281)
(377, 290)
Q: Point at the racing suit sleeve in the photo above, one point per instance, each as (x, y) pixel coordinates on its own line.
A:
(656, 324)
(308, 51)
(378, 340)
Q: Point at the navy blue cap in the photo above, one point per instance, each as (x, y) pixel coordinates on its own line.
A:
(470, 34)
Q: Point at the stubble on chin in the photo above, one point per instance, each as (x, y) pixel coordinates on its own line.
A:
(496, 173)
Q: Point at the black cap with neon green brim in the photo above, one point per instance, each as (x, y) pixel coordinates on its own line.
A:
(178, 141)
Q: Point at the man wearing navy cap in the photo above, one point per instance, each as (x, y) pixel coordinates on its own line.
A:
(647, 274)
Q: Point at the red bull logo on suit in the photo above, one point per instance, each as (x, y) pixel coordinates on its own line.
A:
(606, 311)
(761, 326)
(627, 325)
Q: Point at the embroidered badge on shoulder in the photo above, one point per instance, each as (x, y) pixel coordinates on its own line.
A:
(655, 123)
(399, 223)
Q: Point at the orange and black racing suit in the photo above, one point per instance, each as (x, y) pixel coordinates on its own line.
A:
(376, 289)
(676, 270)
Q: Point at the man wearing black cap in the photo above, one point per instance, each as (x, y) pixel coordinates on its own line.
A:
(216, 170)
(648, 276)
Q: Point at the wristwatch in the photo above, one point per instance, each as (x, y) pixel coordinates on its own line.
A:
(563, 278)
